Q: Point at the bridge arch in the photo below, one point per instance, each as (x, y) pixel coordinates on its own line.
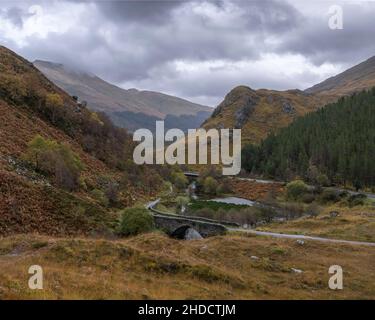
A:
(180, 232)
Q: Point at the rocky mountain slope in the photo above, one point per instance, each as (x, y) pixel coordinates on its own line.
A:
(128, 108)
(259, 112)
(84, 158)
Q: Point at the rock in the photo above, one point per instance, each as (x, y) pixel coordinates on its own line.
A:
(243, 114)
(296, 270)
(300, 242)
(288, 108)
(254, 258)
(192, 234)
(334, 214)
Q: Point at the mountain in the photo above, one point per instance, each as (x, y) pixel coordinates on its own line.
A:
(357, 78)
(337, 141)
(64, 169)
(259, 112)
(131, 108)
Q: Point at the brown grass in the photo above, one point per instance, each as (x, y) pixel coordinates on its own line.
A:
(152, 266)
(356, 223)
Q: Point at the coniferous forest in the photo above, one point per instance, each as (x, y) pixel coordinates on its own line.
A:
(337, 142)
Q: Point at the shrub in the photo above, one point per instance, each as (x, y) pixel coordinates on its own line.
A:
(224, 187)
(293, 210)
(135, 221)
(56, 160)
(55, 112)
(308, 198)
(266, 214)
(313, 210)
(179, 180)
(210, 185)
(296, 189)
(357, 200)
(329, 195)
(12, 88)
(322, 180)
(54, 100)
(100, 197)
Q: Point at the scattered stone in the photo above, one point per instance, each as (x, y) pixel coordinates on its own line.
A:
(204, 247)
(300, 242)
(254, 257)
(296, 270)
(334, 214)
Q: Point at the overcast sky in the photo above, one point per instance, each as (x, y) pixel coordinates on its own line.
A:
(197, 50)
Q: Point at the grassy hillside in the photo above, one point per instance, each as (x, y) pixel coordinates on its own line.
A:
(259, 112)
(46, 194)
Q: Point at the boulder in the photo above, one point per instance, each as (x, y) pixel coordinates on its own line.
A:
(192, 234)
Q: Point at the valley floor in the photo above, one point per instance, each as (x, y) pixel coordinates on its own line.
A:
(153, 266)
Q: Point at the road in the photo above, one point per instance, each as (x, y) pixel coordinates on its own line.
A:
(302, 237)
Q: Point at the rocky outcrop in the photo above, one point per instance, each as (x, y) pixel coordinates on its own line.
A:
(288, 108)
(242, 96)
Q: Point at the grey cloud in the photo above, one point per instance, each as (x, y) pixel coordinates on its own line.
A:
(145, 12)
(144, 40)
(15, 15)
(352, 44)
(270, 15)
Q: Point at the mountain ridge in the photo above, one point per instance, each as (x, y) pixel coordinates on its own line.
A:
(111, 99)
(354, 79)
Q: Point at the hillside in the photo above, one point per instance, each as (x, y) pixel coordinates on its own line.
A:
(59, 161)
(259, 112)
(131, 108)
(337, 141)
(357, 78)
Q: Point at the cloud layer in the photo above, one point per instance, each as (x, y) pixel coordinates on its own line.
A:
(198, 50)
